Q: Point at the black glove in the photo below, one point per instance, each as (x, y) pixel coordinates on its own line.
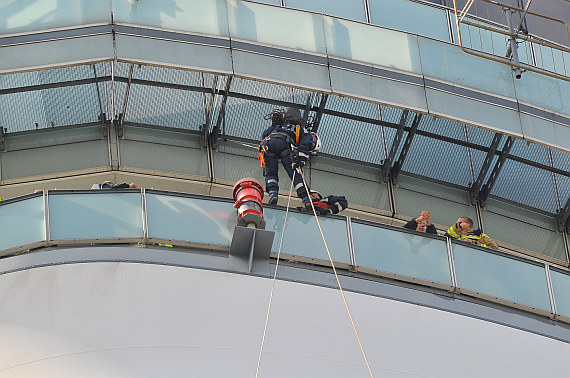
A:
(323, 211)
(298, 164)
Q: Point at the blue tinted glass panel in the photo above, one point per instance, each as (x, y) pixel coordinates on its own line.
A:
(544, 92)
(98, 215)
(448, 62)
(18, 16)
(208, 17)
(351, 9)
(411, 17)
(501, 277)
(561, 288)
(190, 219)
(269, 25)
(22, 223)
(403, 253)
(302, 236)
(365, 43)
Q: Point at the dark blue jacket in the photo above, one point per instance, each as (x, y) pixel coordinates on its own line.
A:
(288, 130)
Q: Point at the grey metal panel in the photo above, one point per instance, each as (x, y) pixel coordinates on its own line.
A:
(56, 53)
(168, 158)
(52, 159)
(446, 204)
(291, 72)
(523, 228)
(175, 54)
(360, 185)
(152, 317)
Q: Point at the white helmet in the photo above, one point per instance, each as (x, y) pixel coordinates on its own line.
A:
(316, 143)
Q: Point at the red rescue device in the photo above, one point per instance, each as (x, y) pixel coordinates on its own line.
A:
(248, 193)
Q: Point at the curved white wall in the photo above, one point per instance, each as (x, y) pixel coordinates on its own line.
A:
(138, 320)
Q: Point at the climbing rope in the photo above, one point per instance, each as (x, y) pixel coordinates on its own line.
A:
(274, 277)
(335, 274)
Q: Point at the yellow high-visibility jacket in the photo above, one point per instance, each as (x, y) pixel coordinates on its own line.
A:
(477, 237)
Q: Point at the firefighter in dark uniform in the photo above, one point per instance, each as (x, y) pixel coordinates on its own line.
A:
(288, 141)
(326, 205)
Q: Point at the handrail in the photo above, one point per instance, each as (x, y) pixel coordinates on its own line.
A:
(459, 19)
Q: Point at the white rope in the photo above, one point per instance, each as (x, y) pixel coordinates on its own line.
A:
(274, 277)
(336, 275)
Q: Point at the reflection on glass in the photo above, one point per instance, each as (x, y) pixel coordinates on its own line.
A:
(378, 46)
(190, 219)
(303, 238)
(501, 277)
(401, 253)
(561, 289)
(30, 15)
(207, 17)
(22, 223)
(257, 22)
(351, 9)
(95, 215)
(411, 17)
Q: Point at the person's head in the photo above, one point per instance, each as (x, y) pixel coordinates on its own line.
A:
(465, 222)
(293, 115)
(315, 195)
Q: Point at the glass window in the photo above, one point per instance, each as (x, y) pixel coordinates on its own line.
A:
(399, 252)
(561, 289)
(303, 238)
(190, 219)
(411, 17)
(207, 17)
(351, 9)
(19, 16)
(98, 215)
(22, 222)
(500, 276)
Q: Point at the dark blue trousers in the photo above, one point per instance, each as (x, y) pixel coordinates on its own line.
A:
(278, 149)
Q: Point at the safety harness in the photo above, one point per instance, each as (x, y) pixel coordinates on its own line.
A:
(289, 133)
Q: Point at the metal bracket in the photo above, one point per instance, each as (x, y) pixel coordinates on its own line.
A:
(476, 187)
(486, 190)
(247, 244)
(104, 125)
(307, 109)
(119, 125)
(562, 217)
(319, 115)
(387, 164)
(215, 133)
(395, 171)
(3, 132)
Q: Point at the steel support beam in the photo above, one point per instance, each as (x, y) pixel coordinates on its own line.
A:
(307, 109)
(215, 133)
(319, 112)
(562, 217)
(476, 187)
(387, 164)
(2, 138)
(125, 103)
(395, 171)
(486, 189)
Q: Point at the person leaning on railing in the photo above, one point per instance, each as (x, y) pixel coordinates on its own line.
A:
(463, 230)
(422, 223)
(111, 185)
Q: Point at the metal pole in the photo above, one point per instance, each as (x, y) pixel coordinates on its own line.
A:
(513, 48)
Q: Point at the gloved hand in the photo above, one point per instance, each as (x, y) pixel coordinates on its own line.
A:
(300, 163)
(322, 211)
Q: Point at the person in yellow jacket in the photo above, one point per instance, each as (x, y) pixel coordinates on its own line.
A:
(463, 230)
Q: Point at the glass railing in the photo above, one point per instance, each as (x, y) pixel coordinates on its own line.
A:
(184, 220)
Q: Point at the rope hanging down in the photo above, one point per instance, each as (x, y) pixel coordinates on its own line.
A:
(274, 277)
(336, 275)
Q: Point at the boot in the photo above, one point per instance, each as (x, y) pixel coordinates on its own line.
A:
(273, 197)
